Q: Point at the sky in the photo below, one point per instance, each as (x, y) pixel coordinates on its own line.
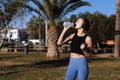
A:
(107, 7)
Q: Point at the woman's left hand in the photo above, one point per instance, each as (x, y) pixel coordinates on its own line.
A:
(82, 46)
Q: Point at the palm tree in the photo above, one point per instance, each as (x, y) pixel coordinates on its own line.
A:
(7, 12)
(52, 10)
(35, 25)
(32, 28)
(10, 9)
(117, 29)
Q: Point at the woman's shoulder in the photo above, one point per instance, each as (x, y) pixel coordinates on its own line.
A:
(88, 38)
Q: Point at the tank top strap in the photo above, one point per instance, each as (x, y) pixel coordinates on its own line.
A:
(85, 36)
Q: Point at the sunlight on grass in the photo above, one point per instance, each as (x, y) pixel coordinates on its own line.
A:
(35, 66)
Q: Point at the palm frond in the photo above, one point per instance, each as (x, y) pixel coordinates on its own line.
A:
(53, 2)
(40, 6)
(73, 6)
(69, 2)
(54, 9)
(39, 12)
(47, 7)
(60, 3)
(32, 9)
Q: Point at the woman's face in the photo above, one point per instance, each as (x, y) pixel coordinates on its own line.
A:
(79, 23)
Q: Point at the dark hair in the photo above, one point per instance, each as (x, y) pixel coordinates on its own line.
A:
(86, 24)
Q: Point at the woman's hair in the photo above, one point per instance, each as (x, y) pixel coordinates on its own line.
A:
(86, 24)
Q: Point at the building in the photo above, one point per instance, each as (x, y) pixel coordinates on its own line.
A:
(14, 34)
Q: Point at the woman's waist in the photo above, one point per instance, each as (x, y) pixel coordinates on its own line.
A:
(76, 55)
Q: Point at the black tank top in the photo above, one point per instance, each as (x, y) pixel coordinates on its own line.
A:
(76, 42)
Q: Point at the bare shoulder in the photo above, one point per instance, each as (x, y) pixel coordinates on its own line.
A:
(88, 38)
(88, 41)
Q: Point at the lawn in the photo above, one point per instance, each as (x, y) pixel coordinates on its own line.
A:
(35, 66)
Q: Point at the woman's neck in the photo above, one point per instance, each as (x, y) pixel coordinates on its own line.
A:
(81, 32)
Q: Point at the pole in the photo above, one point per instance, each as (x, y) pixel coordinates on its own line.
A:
(117, 30)
(46, 31)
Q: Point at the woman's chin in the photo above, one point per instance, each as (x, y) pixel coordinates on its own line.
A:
(77, 27)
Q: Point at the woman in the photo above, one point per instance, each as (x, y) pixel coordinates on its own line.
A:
(81, 45)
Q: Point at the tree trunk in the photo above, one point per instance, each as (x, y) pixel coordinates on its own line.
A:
(52, 42)
(117, 30)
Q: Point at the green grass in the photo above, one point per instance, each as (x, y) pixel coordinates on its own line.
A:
(35, 66)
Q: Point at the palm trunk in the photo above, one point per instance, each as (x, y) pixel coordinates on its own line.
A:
(52, 42)
(117, 29)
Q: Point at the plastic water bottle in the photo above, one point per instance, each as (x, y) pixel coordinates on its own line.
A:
(66, 24)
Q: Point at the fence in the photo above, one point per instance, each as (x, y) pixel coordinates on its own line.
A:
(30, 48)
(63, 49)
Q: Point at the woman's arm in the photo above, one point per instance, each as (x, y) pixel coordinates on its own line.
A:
(60, 39)
(87, 48)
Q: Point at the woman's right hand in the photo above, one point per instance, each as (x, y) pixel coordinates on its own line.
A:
(66, 28)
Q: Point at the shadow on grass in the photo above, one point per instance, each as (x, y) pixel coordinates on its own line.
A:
(28, 67)
(12, 72)
(7, 73)
(8, 57)
(104, 59)
(44, 64)
(51, 63)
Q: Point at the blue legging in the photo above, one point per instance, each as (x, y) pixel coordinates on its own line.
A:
(77, 67)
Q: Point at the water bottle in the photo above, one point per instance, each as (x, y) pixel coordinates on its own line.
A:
(66, 24)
